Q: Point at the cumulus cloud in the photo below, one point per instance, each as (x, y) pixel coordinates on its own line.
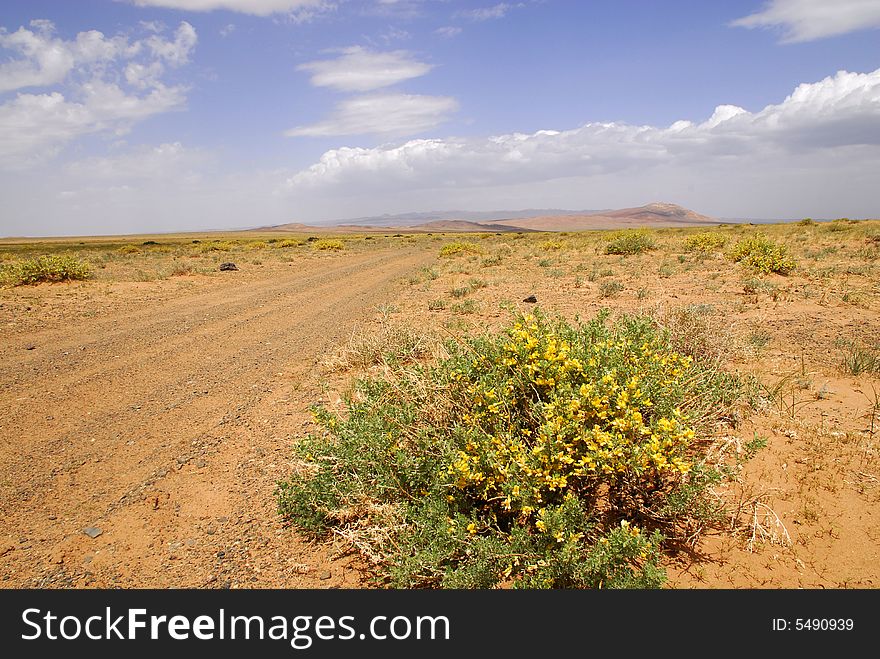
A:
(393, 115)
(175, 52)
(839, 111)
(253, 7)
(362, 70)
(43, 59)
(117, 83)
(808, 20)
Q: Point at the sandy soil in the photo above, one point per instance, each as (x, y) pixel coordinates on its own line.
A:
(161, 414)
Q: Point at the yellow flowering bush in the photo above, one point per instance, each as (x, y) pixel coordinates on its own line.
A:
(762, 255)
(47, 268)
(460, 247)
(630, 241)
(705, 242)
(551, 416)
(329, 245)
(549, 455)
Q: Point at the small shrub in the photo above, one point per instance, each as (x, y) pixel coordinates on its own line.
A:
(466, 307)
(807, 221)
(257, 244)
(329, 245)
(706, 242)
(461, 291)
(217, 246)
(629, 242)
(857, 359)
(129, 249)
(286, 242)
(552, 245)
(182, 270)
(610, 288)
(549, 455)
(762, 255)
(460, 247)
(838, 225)
(44, 269)
(436, 305)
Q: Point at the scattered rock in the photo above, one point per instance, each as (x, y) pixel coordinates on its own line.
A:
(30, 346)
(531, 298)
(201, 463)
(323, 576)
(93, 532)
(228, 266)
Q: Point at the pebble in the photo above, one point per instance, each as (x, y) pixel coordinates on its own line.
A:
(326, 574)
(531, 298)
(93, 532)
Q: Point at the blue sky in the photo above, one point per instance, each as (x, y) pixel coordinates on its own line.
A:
(124, 116)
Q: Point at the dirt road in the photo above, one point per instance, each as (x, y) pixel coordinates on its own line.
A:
(160, 421)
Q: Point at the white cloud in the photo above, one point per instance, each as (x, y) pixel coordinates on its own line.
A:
(35, 126)
(253, 7)
(489, 13)
(175, 52)
(361, 70)
(807, 20)
(448, 31)
(226, 30)
(393, 115)
(839, 112)
(43, 59)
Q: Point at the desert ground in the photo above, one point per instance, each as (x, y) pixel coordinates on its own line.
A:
(147, 413)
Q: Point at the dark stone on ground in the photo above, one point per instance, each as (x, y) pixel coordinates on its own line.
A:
(531, 298)
(228, 266)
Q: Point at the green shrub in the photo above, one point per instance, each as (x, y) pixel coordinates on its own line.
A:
(217, 246)
(550, 455)
(460, 247)
(610, 288)
(630, 242)
(705, 242)
(287, 242)
(331, 245)
(129, 249)
(44, 269)
(760, 254)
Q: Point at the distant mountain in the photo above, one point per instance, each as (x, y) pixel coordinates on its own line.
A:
(652, 215)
